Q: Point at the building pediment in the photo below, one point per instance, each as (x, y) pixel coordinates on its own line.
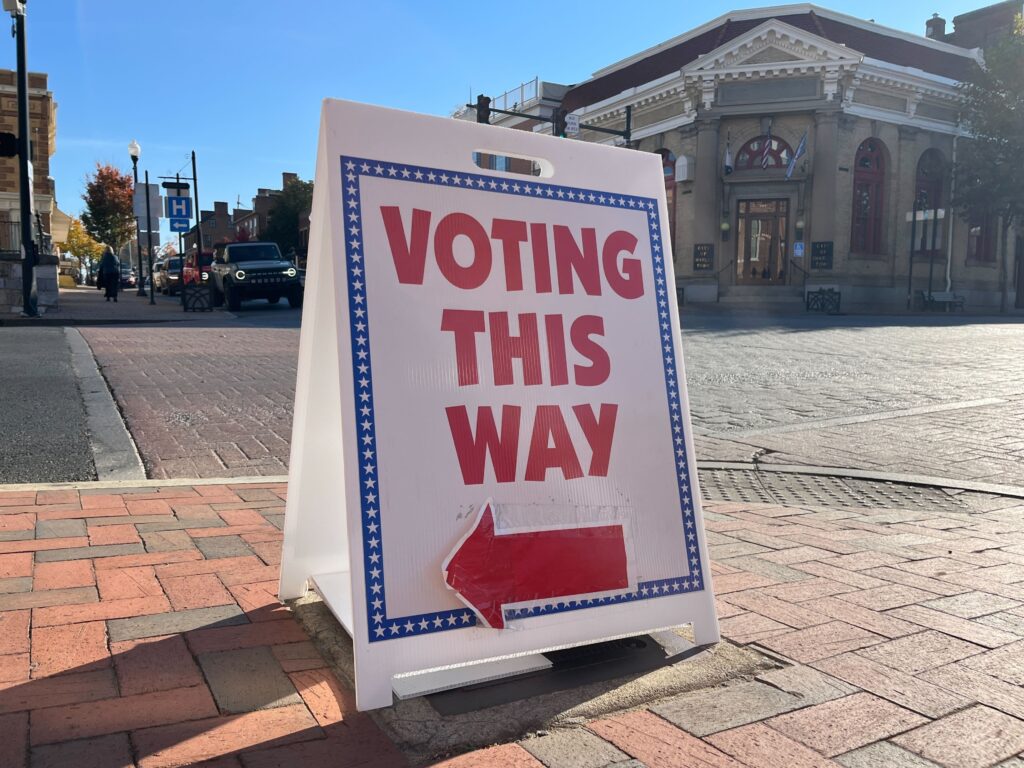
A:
(773, 49)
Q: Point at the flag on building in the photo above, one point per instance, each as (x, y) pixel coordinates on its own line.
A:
(727, 161)
(801, 149)
(766, 149)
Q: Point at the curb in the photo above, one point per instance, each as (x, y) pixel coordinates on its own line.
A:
(792, 469)
(73, 322)
(177, 482)
(862, 474)
(114, 453)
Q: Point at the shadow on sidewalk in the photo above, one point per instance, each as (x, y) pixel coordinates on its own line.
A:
(175, 700)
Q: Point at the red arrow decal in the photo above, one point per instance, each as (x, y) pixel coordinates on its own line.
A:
(490, 569)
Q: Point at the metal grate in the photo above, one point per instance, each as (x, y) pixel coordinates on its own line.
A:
(789, 489)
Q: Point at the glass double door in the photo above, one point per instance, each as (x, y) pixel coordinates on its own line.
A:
(762, 233)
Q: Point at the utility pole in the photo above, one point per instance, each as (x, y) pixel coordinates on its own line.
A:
(28, 242)
(199, 211)
(149, 240)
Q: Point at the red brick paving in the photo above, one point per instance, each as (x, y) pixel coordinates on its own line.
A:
(185, 425)
(927, 674)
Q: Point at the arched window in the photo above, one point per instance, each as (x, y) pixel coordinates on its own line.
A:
(931, 172)
(753, 156)
(868, 197)
(668, 167)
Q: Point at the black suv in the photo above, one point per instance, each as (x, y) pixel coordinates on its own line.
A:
(243, 271)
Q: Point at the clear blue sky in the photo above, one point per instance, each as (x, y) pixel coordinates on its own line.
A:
(241, 82)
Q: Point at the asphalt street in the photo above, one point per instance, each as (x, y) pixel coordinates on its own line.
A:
(43, 436)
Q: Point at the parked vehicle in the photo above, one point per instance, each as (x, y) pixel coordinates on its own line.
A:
(170, 276)
(158, 276)
(243, 271)
(127, 276)
(197, 268)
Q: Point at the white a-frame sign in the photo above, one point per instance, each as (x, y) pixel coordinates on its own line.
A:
(492, 451)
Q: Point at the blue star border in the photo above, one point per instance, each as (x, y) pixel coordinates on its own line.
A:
(383, 627)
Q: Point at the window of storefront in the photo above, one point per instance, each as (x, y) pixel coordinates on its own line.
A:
(752, 155)
(931, 173)
(868, 197)
(981, 239)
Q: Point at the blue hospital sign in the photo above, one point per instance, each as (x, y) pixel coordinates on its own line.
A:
(178, 207)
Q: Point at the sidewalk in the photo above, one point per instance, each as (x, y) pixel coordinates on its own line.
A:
(86, 306)
(139, 627)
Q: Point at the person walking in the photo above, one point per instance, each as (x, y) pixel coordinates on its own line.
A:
(109, 274)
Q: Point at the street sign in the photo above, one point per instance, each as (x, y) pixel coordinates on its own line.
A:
(178, 207)
(139, 202)
(491, 452)
(572, 125)
(180, 225)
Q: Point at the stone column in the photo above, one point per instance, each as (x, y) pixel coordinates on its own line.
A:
(706, 201)
(823, 196)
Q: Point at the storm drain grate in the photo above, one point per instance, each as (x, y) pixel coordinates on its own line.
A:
(790, 489)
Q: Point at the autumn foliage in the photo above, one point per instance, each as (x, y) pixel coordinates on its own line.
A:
(108, 213)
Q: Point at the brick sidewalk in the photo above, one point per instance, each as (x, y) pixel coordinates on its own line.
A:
(200, 402)
(141, 629)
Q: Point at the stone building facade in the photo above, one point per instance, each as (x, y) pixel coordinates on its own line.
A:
(797, 143)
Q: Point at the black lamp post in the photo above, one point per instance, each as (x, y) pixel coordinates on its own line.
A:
(134, 150)
(28, 244)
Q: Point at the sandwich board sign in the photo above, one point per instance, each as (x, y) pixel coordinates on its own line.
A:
(491, 453)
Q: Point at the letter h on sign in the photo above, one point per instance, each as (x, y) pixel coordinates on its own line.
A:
(179, 207)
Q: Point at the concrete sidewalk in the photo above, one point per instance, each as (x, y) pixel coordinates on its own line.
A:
(139, 627)
(86, 306)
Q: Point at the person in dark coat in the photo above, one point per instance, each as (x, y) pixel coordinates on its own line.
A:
(109, 274)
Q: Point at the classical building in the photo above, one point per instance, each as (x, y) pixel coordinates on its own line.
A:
(797, 142)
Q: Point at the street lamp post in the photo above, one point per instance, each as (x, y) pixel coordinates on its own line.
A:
(134, 150)
(28, 244)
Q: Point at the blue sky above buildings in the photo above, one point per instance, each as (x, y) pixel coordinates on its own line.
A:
(241, 82)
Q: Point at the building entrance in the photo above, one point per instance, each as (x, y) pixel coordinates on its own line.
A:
(762, 228)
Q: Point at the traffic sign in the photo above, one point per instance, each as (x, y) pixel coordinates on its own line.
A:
(178, 207)
(572, 125)
(139, 202)
(180, 225)
(525, 331)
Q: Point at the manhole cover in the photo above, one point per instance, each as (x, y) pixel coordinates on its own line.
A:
(790, 489)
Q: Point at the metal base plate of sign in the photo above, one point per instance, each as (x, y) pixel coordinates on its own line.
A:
(491, 453)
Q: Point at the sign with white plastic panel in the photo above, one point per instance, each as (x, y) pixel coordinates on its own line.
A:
(491, 452)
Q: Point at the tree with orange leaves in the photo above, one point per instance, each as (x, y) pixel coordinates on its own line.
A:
(108, 215)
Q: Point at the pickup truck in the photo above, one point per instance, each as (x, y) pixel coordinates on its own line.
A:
(253, 270)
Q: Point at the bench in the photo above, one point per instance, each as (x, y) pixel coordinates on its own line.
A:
(940, 300)
(823, 300)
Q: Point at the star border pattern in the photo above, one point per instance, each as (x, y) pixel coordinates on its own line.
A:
(380, 625)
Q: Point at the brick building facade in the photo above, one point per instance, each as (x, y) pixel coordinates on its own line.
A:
(220, 226)
(43, 128)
